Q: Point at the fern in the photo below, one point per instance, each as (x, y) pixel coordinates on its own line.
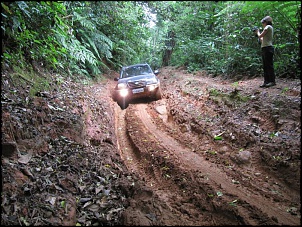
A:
(288, 10)
(94, 40)
(81, 53)
(23, 7)
(104, 44)
(91, 43)
(229, 8)
(74, 47)
(98, 42)
(83, 21)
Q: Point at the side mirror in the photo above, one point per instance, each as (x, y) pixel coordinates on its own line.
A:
(156, 72)
(115, 79)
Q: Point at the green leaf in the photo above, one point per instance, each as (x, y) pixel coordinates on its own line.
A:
(233, 203)
(219, 194)
(63, 203)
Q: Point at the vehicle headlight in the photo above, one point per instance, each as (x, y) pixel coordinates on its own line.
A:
(152, 81)
(121, 86)
(124, 92)
(152, 87)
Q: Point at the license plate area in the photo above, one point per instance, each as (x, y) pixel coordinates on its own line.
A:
(138, 90)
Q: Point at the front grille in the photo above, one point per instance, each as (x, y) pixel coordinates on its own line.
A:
(137, 84)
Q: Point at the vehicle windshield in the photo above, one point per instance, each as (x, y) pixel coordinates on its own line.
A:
(136, 71)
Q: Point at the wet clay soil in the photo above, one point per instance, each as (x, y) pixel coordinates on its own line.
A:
(214, 152)
(211, 152)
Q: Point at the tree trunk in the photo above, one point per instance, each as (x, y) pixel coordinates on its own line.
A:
(170, 43)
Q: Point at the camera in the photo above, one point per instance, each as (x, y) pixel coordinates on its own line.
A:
(255, 29)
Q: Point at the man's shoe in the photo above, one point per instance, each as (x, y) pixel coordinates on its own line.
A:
(263, 85)
(270, 84)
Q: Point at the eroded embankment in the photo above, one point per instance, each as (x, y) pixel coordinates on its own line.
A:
(198, 180)
(179, 173)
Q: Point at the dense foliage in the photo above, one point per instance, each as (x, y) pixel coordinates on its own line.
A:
(217, 36)
(89, 37)
(73, 36)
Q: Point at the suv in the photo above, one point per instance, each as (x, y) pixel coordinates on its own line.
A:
(136, 81)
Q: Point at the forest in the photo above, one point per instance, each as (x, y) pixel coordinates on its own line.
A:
(92, 37)
(215, 150)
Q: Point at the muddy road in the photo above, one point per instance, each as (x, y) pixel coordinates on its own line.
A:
(213, 152)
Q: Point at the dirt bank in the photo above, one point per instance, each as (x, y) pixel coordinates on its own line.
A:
(211, 152)
(214, 152)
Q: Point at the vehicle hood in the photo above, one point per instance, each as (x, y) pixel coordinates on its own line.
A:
(145, 77)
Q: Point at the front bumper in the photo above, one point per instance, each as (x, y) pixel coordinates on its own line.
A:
(128, 94)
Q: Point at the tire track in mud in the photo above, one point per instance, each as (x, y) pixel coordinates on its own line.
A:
(174, 206)
(135, 163)
(193, 161)
(250, 210)
(128, 151)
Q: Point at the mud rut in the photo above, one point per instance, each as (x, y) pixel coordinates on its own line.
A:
(190, 190)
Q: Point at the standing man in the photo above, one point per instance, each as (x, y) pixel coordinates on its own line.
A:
(267, 48)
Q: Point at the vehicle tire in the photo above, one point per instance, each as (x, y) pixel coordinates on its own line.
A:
(158, 94)
(113, 97)
(123, 104)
